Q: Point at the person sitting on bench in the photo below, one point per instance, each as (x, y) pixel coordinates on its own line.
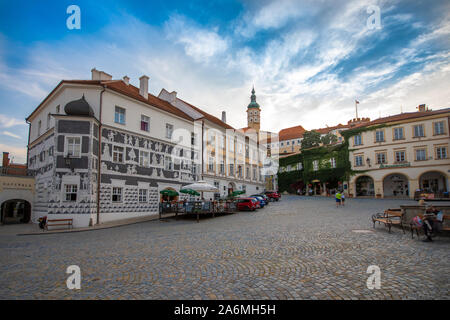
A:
(429, 219)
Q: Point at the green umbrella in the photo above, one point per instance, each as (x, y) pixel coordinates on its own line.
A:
(236, 193)
(190, 191)
(168, 192)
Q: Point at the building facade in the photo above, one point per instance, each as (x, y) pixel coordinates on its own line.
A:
(401, 155)
(103, 149)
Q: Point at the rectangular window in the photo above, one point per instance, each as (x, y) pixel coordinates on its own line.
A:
(119, 115)
(418, 131)
(211, 164)
(169, 131)
(48, 120)
(232, 169)
(381, 158)
(247, 173)
(254, 174)
(142, 195)
(42, 156)
(439, 128)
(39, 127)
(421, 155)
(118, 154)
(145, 123)
(168, 163)
(116, 194)
(357, 140)
(144, 159)
(240, 148)
(359, 161)
(57, 109)
(379, 136)
(400, 156)
(316, 165)
(222, 167)
(70, 191)
(398, 134)
(441, 153)
(193, 138)
(333, 162)
(240, 171)
(73, 146)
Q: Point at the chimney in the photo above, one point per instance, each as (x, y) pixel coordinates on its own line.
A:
(126, 79)
(224, 116)
(5, 162)
(421, 107)
(100, 75)
(173, 97)
(143, 86)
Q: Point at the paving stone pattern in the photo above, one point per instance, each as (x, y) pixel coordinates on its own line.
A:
(299, 248)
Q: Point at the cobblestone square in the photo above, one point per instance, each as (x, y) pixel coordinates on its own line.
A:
(299, 248)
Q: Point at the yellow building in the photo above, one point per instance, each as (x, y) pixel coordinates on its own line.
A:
(402, 155)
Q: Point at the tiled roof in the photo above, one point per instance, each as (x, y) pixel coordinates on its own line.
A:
(133, 92)
(328, 129)
(208, 116)
(403, 116)
(128, 90)
(291, 133)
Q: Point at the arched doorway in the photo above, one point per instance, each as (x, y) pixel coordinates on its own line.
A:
(364, 186)
(396, 185)
(433, 182)
(231, 187)
(165, 198)
(15, 211)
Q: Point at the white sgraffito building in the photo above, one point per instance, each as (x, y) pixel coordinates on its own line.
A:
(103, 149)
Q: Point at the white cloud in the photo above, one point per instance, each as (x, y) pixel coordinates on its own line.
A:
(7, 133)
(17, 154)
(198, 43)
(8, 122)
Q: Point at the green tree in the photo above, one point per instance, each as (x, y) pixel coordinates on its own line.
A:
(310, 139)
(329, 138)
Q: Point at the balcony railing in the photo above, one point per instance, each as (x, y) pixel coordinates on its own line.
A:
(20, 172)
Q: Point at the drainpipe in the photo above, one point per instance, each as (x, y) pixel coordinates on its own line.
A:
(203, 128)
(99, 167)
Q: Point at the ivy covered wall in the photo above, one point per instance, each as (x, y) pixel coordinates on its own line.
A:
(291, 181)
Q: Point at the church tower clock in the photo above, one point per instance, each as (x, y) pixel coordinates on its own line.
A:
(253, 113)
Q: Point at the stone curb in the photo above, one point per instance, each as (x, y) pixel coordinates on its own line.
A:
(100, 227)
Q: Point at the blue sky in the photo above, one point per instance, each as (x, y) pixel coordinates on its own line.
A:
(309, 60)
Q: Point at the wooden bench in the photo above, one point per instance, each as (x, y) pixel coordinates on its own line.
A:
(59, 222)
(389, 217)
(417, 228)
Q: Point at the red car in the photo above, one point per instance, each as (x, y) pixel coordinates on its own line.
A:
(247, 204)
(273, 195)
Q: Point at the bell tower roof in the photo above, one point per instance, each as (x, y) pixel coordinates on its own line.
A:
(253, 103)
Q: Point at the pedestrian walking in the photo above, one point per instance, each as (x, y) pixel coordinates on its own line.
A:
(343, 199)
(338, 198)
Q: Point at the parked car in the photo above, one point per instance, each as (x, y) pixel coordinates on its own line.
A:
(246, 204)
(273, 195)
(266, 198)
(261, 200)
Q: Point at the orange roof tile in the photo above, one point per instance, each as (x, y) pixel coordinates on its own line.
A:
(403, 116)
(291, 133)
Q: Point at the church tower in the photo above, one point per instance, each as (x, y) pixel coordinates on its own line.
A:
(253, 113)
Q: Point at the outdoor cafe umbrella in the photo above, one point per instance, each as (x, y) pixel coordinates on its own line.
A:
(169, 193)
(189, 191)
(201, 186)
(237, 192)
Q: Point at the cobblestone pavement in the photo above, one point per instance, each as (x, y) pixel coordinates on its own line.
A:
(299, 248)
